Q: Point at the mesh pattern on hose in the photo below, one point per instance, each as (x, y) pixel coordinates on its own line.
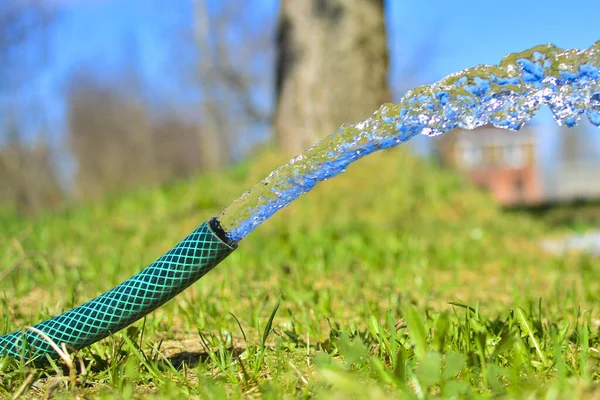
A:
(162, 280)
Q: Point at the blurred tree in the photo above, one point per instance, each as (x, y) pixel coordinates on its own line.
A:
(178, 143)
(27, 174)
(119, 142)
(230, 42)
(28, 177)
(109, 137)
(332, 67)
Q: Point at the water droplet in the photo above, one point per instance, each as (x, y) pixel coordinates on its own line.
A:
(593, 109)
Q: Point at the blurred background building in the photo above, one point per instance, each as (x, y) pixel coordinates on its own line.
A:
(511, 167)
(98, 96)
(505, 163)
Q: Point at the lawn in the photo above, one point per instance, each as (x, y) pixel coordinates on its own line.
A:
(395, 280)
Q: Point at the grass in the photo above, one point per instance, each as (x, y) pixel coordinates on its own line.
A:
(395, 280)
(577, 215)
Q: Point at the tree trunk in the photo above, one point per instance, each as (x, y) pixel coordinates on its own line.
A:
(332, 67)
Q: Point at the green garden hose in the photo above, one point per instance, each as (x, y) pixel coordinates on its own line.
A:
(112, 311)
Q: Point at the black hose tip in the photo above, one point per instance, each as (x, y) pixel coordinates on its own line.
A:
(218, 230)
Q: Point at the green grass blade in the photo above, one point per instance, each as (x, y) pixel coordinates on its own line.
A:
(528, 330)
(269, 325)
(418, 335)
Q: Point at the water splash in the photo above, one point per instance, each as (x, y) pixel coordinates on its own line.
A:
(506, 95)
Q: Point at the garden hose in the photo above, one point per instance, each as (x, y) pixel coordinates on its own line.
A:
(505, 96)
(112, 311)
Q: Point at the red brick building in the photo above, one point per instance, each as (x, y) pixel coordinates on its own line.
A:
(504, 162)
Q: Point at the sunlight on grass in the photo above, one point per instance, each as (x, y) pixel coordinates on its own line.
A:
(395, 279)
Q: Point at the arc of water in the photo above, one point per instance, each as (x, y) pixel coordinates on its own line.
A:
(506, 95)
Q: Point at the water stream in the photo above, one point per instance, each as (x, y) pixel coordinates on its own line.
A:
(506, 95)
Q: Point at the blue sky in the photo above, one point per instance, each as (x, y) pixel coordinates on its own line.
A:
(459, 34)
(469, 32)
